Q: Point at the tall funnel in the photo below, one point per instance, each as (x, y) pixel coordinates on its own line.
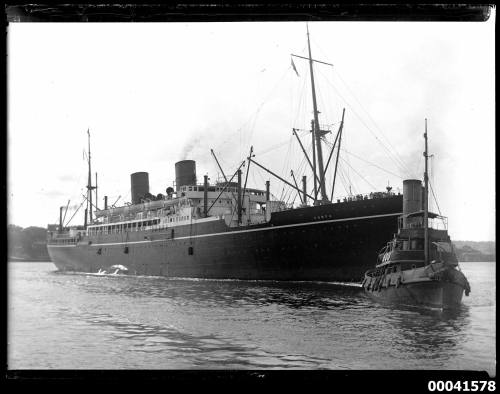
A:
(140, 186)
(185, 173)
(412, 199)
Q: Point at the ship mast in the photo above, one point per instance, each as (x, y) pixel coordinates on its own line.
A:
(426, 202)
(89, 185)
(316, 133)
(316, 130)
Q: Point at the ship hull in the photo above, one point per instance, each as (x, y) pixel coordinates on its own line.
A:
(311, 248)
(431, 294)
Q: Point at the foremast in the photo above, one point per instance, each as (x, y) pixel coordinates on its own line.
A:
(426, 201)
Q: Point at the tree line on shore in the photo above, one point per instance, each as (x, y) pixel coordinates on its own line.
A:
(30, 244)
(475, 251)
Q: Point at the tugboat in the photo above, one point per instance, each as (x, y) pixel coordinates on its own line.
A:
(418, 266)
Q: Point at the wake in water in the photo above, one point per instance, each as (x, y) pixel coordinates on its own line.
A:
(117, 272)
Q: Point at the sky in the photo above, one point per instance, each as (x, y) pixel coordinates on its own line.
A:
(152, 94)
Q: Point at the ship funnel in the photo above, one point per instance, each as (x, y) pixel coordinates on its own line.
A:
(185, 173)
(140, 186)
(412, 200)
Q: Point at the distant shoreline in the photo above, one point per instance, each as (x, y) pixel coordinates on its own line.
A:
(12, 259)
(29, 261)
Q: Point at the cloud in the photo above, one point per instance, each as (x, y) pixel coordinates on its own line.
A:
(66, 177)
(51, 193)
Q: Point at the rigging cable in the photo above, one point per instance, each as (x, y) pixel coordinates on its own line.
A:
(373, 187)
(371, 163)
(74, 213)
(302, 103)
(437, 205)
(402, 167)
(251, 120)
(267, 97)
(342, 178)
(375, 124)
(396, 155)
(435, 199)
(348, 177)
(273, 147)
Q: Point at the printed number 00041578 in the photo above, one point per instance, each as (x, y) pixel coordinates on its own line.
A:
(473, 385)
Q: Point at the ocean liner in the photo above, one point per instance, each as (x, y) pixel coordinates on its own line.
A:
(228, 230)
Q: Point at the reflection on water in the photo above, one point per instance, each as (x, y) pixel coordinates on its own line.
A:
(175, 344)
(151, 322)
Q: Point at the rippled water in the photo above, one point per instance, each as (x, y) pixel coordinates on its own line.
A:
(73, 321)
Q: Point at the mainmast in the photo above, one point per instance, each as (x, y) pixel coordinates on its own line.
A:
(89, 185)
(316, 130)
(426, 202)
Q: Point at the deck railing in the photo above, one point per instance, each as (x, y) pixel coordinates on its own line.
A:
(437, 223)
(63, 241)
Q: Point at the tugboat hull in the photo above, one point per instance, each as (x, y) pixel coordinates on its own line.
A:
(431, 294)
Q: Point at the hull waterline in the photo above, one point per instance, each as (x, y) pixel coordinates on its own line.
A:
(430, 294)
(321, 250)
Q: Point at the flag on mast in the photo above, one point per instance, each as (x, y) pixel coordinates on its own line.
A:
(294, 69)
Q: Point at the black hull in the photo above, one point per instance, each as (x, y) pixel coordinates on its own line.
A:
(430, 294)
(336, 242)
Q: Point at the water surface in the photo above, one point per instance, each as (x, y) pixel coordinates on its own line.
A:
(80, 321)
